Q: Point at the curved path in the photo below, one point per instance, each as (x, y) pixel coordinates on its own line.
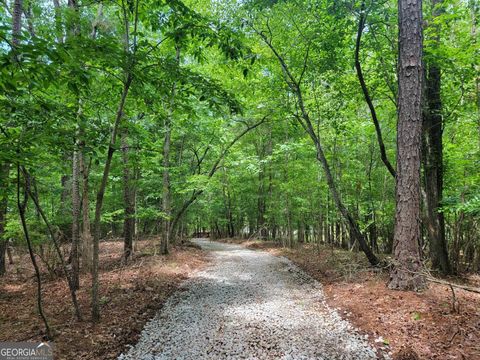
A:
(248, 305)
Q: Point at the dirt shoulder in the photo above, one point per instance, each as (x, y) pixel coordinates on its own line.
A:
(130, 295)
(413, 325)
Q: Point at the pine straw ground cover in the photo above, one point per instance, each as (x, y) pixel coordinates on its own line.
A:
(130, 295)
(413, 325)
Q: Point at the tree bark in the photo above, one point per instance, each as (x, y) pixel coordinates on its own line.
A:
(166, 188)
(129, 202)
(86, 232)
(228, 205)
(433, 157)
(17, 22)
(261, 197)
(406, 273)
(475, 12)
(74, 252)
(4, 174)
(64, 183)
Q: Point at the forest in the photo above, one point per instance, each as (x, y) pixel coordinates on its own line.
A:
(343, 135)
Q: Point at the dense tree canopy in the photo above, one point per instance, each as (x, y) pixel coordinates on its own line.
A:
(130, 118)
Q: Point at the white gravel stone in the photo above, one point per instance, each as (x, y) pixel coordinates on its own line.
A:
(248, 305)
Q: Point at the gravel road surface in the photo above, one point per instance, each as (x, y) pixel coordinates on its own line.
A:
(248, 305)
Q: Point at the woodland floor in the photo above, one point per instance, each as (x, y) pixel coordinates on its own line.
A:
(130, 295)
(409, 323)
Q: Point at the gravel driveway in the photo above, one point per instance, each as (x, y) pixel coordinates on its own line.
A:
(248, 305)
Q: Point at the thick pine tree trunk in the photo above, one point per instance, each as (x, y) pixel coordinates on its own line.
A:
(406, 274)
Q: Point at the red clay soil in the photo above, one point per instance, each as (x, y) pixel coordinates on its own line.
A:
(412, 325)
(130, 295)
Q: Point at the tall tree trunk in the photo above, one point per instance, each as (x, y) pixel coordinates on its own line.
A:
(261, 201)
(4, 174)
(228, 205)
(475, 12)
(166, 189)
(286, 195)
(129, 202)
(166, 208)
(225, 202)
(136, 222)
(74, 252)
(127, 82)
(86, 233)
(231, 222)
(300, 232)
(17, 21)
(433, 157)
(100, 196)
(406, 274)
(64, 183)
(264, 174)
